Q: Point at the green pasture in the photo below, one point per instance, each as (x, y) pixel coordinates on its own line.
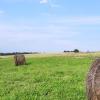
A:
(45, 77)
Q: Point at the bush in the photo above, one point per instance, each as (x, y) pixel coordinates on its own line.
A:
(76, 51)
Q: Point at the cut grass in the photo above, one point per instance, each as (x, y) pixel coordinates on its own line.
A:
(44, 78)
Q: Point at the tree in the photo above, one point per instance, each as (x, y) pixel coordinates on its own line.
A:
(76, 51)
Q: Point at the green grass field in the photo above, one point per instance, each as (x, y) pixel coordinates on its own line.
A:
(56, 77)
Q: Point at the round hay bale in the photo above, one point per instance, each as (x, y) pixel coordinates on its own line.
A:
(93, 81)
(19, 59)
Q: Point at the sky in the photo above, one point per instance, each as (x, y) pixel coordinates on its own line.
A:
(49, 25)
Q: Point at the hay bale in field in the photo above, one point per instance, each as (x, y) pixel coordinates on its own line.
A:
(93, 81)
(19, 59)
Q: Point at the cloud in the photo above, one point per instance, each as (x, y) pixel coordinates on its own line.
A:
(61, 32)
(55, 28)
(55, 6)
(43, 1)
(50, 3)
(77, 20)
(1, 12)
(33, 37)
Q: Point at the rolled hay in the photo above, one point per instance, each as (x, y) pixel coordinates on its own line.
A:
(19, 59)
(93, 81)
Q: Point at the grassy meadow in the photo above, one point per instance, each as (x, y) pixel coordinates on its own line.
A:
(45, 77)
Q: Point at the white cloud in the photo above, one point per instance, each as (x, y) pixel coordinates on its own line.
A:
(43, 1)
(50, 3)
(1, 12)
(60, 32)
(55, 6)
(77, 20)
(56, 28)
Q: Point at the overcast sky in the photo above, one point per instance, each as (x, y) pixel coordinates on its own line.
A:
(49, 25)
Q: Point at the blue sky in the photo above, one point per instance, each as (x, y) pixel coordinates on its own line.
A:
(49, 25)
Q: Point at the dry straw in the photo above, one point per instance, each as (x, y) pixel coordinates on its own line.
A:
(93, 81)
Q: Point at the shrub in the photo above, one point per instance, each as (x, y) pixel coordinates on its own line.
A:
(76, 51)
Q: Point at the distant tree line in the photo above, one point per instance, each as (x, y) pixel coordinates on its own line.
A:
(75, 51)
(13, 53)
